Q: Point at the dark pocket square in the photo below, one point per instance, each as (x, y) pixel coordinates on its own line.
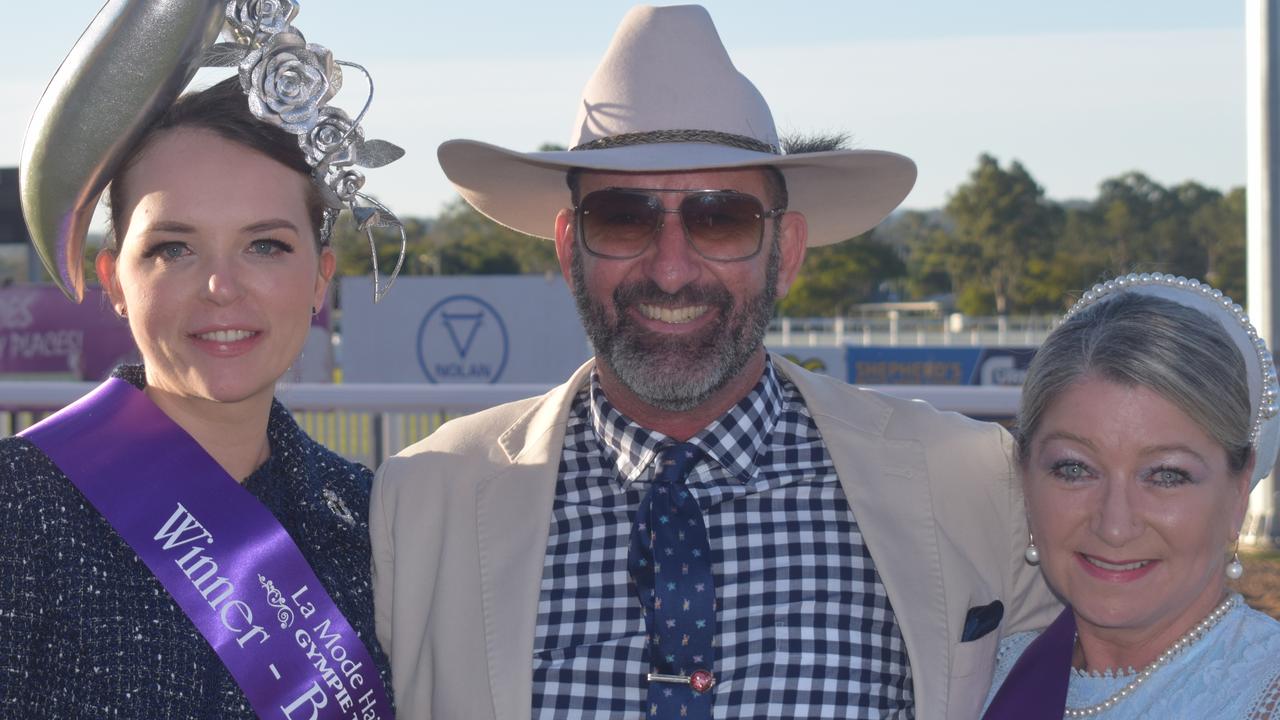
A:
(982, 620)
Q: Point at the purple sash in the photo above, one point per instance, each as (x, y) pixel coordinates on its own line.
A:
(223, 557)
(1036, 686)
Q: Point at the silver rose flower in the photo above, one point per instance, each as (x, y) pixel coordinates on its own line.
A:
(332, 139)
(338, 184)
(287, 80)
(252, 21)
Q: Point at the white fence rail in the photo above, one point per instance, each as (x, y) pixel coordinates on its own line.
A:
(368, 422)
(902, 330)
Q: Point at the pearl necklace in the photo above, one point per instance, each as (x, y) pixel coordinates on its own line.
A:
(1184, 642)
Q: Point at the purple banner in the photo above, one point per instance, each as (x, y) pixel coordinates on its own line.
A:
(41, 334)
(223, 557)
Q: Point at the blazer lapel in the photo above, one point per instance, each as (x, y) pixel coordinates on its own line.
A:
(887, 484)
(513, 511)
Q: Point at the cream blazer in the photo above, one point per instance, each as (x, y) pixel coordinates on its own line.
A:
(460, 523)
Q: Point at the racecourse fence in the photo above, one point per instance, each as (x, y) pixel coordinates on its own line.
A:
(901, 329)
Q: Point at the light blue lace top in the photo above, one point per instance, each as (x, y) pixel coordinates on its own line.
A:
(1233, 673)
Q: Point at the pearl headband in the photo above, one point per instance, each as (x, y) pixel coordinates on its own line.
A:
(1264, 390)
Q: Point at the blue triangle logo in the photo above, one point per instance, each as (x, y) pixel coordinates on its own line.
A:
(462, 329)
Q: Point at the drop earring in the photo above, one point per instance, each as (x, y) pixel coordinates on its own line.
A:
(1235, 568)
(1032, 553)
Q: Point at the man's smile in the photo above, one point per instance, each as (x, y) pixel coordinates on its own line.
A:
(676, 315)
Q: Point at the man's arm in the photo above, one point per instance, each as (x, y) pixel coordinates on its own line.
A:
(1031, 605)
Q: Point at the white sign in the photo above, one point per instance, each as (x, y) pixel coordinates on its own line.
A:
(462, 329)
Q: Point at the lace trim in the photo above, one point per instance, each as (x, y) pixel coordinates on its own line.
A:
(1267, 704)
(1108, 674)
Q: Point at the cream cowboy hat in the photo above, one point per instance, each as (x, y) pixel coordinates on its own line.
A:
(667, 97)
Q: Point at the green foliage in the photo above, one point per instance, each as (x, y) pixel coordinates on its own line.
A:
(1002, 225)
(1002, 247)
(460, 241)
(836, 277)
(471, 244)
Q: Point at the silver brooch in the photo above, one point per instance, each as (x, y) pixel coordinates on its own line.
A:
(338, 507)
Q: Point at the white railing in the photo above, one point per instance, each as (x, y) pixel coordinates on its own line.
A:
(903, 330)
(368, 422)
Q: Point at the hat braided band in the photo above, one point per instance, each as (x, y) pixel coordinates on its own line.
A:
(651, 137)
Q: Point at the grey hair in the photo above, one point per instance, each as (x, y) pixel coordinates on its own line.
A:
(1141, 340)
(815, 142)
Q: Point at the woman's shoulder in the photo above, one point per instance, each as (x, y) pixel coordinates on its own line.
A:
(303, 477)
(1014, 644)
(321, 464)
(1011, 648)
(1251, 639)
(26, 471)
(1235, 674)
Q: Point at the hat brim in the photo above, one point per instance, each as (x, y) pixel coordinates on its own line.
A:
(841, 193)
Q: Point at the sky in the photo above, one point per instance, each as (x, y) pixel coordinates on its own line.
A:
(1077, 91)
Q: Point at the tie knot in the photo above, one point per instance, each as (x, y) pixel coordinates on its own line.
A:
(674, 462)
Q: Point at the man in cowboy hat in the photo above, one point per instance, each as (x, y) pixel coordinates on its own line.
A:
(690, 526)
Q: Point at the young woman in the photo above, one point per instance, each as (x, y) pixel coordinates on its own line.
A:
(173, 544)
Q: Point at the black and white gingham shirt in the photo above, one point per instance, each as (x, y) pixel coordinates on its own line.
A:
(805, 629)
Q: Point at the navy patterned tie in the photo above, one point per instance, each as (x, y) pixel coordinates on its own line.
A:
(670, 563)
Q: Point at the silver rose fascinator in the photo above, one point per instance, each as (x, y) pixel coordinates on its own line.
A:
(134, 60)
(1264, 391)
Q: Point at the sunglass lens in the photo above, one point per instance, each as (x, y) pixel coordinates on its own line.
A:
(618, 223)
(723, 225)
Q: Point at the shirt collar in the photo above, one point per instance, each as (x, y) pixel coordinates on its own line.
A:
(735, 440)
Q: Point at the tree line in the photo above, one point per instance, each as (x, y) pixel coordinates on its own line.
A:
(998, 246)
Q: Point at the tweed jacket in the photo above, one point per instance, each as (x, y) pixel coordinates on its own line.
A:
(460, 522)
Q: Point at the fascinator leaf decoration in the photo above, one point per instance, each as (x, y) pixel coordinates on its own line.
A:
(224, 55)
(376, 153)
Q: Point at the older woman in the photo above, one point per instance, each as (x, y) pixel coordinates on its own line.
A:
(1146, 418)
(174, 545)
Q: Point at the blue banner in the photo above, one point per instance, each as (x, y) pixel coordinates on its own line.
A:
(1000, 366)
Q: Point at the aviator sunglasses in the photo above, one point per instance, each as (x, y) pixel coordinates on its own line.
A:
(621, 223)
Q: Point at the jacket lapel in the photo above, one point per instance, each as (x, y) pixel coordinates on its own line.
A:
(513, 510)
(887, 484)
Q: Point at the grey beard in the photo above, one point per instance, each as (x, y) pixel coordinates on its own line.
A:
(676, 374)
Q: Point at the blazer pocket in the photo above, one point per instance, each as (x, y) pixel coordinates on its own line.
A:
(976, 658)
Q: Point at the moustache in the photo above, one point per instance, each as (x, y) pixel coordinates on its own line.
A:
(647, 291)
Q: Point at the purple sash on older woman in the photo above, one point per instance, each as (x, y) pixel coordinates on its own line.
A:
(1036, 687)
